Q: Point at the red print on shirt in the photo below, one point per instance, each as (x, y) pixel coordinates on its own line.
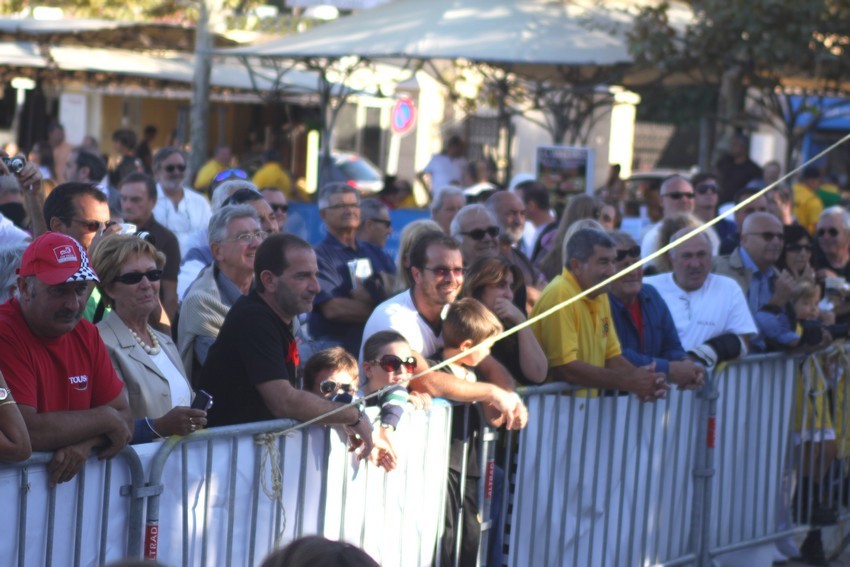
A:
(293, 356)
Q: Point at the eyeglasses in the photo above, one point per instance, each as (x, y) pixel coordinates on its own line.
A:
(392, 363)
(443, 272)
(832, 231)
(386, 223)
(480, 233)
(798, 247)
(228, 174)
(248, 237)
(343, 206)
(90, 226)
(328, 387)
(704, 188)
(633, 252)
(279, 208)
(132, 278)
(171, 168)
(677, 196)
(768, 236)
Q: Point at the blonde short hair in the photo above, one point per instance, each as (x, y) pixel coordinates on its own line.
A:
(110, 254)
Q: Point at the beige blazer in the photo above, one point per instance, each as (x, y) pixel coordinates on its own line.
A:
(147, 387)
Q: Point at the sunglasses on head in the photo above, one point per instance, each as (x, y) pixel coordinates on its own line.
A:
(798, 247)
(229, 174)
(832, 231)
(280, 208)
(633, 252)
(677, 196)
(132, 278)
(480, 233)
(704, 188)
(392, 363)
(328, 387)
(171, 168)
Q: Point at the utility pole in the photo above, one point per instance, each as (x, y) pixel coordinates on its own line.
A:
(200, 111)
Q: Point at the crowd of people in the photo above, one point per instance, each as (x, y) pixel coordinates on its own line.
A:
(110, 331)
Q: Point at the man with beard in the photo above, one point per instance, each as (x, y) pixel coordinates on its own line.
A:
(590, 359)
(509, 211)
(56, 364)
(251, 368)
(178, 208)
(644, 325)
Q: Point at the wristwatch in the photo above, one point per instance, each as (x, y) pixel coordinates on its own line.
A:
(5, 394)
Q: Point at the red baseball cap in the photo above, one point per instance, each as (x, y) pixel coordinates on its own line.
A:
(56, 258)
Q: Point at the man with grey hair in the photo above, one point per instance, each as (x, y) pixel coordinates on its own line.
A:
(579, 339)
(509, 210)
(10, 261)
(831, 257)
(445, 206)
(180, 209)
(477, 230)
(234, 235)
(710, 311)
(677, 197)
(353, 274)
(375, 225)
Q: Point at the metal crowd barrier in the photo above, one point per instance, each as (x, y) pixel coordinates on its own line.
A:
(704, 477)
(91, 520)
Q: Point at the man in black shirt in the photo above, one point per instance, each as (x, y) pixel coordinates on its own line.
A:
(251, 368)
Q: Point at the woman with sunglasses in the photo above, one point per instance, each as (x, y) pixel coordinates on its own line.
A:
(148, 362)
(831, 258)
(796, 256)
(493, 282)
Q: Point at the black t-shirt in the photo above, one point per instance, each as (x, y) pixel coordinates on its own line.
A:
(167, 243)
(458, 437)
(254, 346)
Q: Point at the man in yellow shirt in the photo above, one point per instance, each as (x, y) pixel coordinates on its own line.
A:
(272, 175)
(579, 340)
(807, 204)
(218, 163)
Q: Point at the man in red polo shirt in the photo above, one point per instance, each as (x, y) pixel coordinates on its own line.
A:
(55, 363)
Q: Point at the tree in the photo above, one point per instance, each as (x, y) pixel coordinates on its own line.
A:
(768, 50)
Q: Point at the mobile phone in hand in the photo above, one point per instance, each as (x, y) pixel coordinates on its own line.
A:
(203, 400)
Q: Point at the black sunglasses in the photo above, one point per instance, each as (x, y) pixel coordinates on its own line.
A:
(832, 231)
(171, 168)
(132, 278)
(90, 226)
(280, 208)
(704, 188)
(392, 363)
(328, 387)
(386, 223)
(633, 252)
(480, 233)
(798, 247)
(677, 196)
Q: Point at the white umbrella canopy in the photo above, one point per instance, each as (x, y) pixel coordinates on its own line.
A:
(530, 37)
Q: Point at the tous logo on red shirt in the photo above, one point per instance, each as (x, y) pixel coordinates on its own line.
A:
(293, 356)
(80, 383)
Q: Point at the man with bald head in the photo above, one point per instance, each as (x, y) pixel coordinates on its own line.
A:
(758, 205)
(752, 264)
(710, 310)
(677, 197)
(477, 230)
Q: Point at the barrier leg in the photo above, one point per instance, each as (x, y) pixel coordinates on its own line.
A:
(704, 471)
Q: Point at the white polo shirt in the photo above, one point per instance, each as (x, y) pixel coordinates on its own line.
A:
(718, 307)
(191, 215)
(11, 234)
(399, 314)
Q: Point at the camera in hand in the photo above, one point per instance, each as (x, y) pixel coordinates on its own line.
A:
(14, 164)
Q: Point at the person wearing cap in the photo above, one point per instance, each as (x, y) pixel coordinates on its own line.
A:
(179, 209)
(56, 364)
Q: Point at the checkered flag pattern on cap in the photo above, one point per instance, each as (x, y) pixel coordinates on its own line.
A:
(85, 273)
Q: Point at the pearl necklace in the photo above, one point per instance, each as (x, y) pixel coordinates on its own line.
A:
(153, 349)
